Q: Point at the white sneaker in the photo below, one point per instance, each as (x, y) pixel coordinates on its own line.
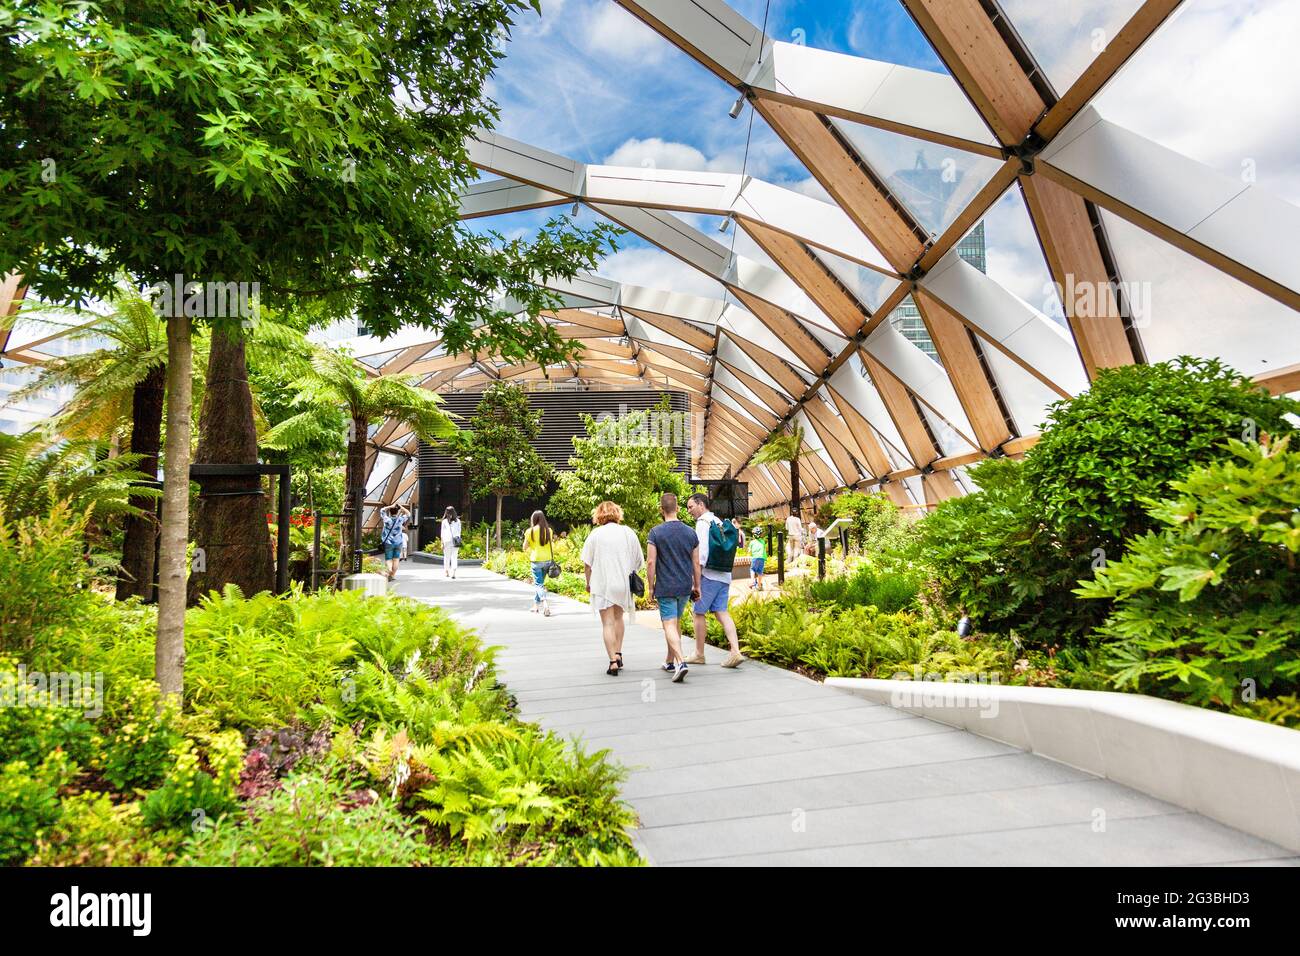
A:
(546, 609)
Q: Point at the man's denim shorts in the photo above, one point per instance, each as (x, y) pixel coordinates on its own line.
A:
(671, 607)
(713, 596)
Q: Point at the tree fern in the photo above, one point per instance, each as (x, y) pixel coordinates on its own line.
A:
(37, 471)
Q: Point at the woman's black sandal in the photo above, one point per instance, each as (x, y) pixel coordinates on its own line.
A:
(619, 655)
(612, 670)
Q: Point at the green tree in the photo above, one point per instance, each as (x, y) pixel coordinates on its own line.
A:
(1012, 553)
(1207, 607)
(624, 460)
(498, 452)
(118, 394)
(876, 521)
(786, 448)
(333, 383)
(314, 148)
(1133, 431)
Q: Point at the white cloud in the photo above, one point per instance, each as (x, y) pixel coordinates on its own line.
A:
(657, 270)
(1219, 84)
(655, 153)
(608, 28)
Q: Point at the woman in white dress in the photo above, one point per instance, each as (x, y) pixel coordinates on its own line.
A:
(611, 555)
(450, 537)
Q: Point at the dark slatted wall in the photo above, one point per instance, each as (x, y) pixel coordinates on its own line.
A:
(562, 419)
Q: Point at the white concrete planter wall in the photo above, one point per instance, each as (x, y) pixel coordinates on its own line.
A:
(1238, 771)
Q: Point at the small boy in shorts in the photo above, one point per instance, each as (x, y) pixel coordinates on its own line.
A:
(757, 559)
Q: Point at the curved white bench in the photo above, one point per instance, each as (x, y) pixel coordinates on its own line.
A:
(1241, 772)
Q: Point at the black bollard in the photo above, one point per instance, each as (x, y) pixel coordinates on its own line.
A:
(821, 558)
(780, 557)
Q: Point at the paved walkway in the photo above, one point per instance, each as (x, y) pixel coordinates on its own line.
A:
(759, 766)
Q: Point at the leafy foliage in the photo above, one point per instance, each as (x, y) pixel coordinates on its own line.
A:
(620, 459)
(333, 387)
(37, 472)
(859, 641)
(866, 585)
(1010, 555)
(104, 377)
(1206, 607)
(43, 579)
(1134, 430)
(266, 143)
(988, 555)
(878, 525)
(308, 823)
(29, 803)
(498, 451)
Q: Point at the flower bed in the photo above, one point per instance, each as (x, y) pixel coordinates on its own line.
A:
(331, 729)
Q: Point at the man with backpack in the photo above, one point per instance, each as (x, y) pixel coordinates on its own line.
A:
(718, 542)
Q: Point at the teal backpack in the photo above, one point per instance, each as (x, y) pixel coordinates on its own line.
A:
(724, 538)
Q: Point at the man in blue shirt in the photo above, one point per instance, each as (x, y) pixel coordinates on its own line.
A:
(672, 576)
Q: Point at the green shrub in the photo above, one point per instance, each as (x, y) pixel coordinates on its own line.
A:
(315, 820)
(251, 662)
(865, 585)
(527, 799)
(140, 737)
(1135, 429)
(189, 793)
(878, 526)
(29, 803)
(1208, 608)
(1011, 554)
(93, 831)
(32, 727)
(44, 580)
(988, 555)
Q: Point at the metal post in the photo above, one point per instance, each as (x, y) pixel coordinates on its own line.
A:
(314, 583)
(780, 557)
(769, 539)
(821, 558)
(844, 541)
(157, 549)
(282, 538)
(358, 511)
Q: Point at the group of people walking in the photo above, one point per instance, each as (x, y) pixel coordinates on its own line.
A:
(681, 564)
(684, 567)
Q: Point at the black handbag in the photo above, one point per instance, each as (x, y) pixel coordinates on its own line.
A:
(455, 541)
(636, 584)
(552, 569)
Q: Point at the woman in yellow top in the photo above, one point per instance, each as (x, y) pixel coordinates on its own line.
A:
(539, 542)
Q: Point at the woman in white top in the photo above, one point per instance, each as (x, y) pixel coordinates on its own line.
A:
(450, 535)
(611, 555)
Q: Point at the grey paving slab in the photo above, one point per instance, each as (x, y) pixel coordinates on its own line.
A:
(1178, 839)
(758, 766)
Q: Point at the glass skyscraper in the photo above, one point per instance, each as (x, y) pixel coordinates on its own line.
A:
(907, 318)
